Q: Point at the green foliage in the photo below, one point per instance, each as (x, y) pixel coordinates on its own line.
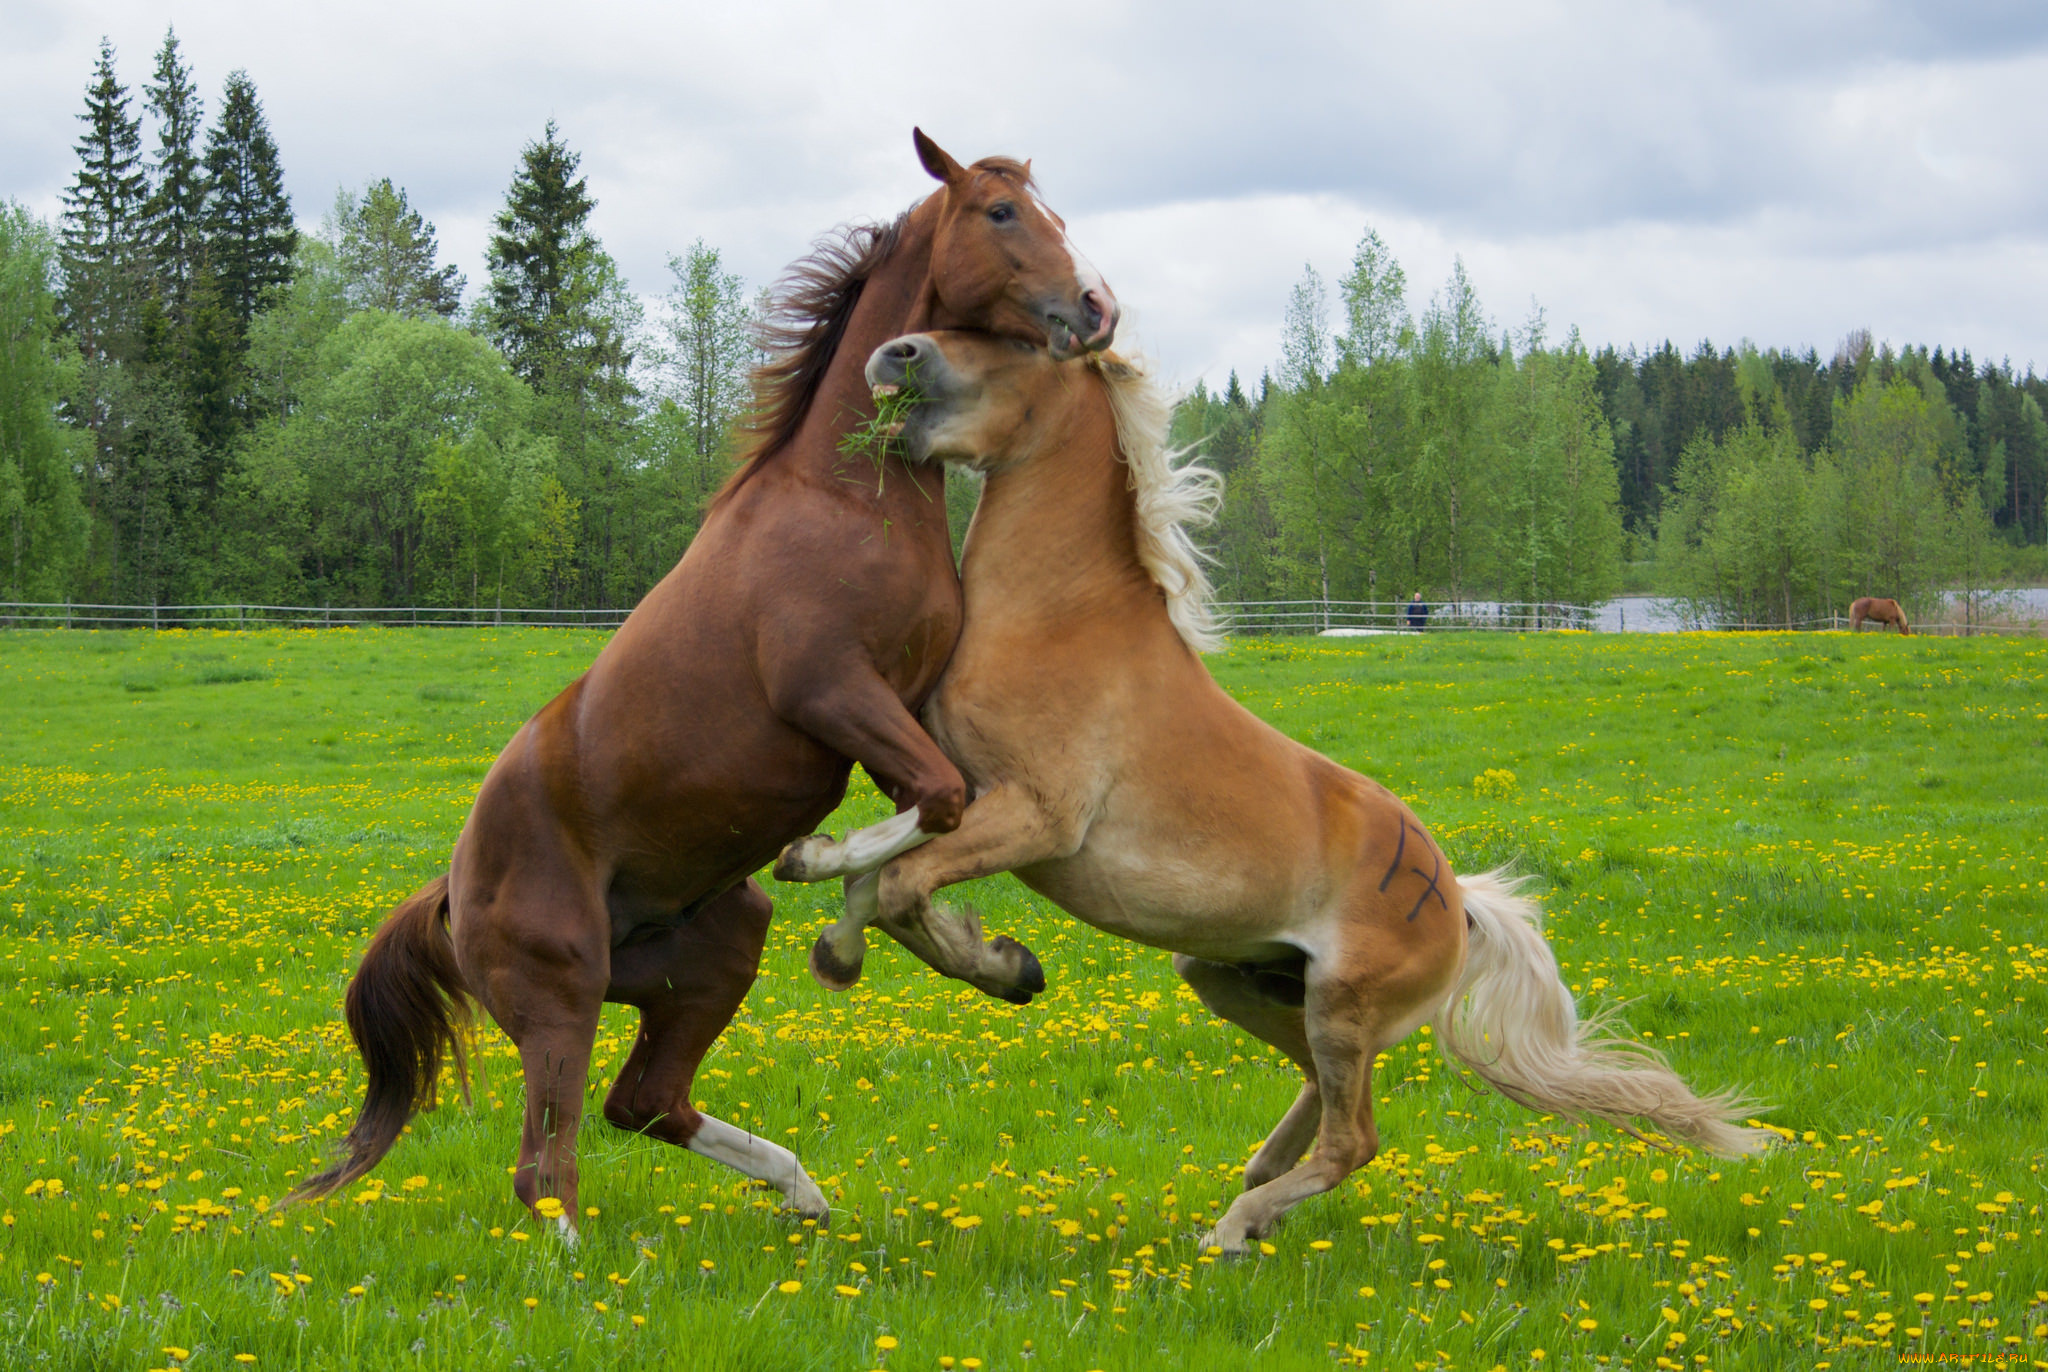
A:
(248, 217)
(1741, 536)
(558, 308)
(1428, 457)
(177, 198)
(103, 222)
(401, 422)
(42, 522)
(386, 254)
(1559, 523)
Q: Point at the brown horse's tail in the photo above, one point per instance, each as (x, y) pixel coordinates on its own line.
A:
(404, 1008)
(1511, 1020)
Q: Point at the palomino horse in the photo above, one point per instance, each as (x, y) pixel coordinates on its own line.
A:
(1303, 901)
(608, 854)
(1883, 612)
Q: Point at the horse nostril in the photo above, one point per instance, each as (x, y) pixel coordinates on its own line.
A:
(902, 350)
(1092, 308)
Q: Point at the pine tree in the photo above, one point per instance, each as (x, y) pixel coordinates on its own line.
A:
(386, 253)
(539, 259)
(177, 200)
(248, 216)
(562, 315)
(103, 220)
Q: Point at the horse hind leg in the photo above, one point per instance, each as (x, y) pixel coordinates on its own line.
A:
(1261, 1004)
(541, 976)
(687, 985)
(1349, 1019)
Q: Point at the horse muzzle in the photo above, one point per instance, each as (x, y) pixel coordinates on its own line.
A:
(1088, 325)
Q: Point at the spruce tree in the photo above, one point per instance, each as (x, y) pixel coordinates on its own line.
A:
(103, 220)
(386, 253)
(177, 200)
(560, 311)
(248, 216)
(539, 259)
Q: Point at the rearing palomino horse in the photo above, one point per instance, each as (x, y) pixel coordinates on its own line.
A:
(1881, 611)
(608, 854)
(1303, 901)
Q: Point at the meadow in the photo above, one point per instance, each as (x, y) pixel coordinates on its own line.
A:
(1810, 865)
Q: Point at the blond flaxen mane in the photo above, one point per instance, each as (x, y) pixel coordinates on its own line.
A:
(1172, 497)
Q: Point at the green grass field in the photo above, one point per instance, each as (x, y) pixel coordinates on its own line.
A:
(1812, 865)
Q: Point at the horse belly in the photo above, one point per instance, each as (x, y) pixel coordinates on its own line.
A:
(1171, 900)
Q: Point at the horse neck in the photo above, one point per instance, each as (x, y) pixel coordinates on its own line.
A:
(1056, 532)
(896, 299)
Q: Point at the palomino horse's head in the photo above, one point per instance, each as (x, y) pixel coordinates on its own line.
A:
(974, 398)
(1001, 260)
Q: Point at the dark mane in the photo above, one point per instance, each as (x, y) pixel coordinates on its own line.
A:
(807, 315)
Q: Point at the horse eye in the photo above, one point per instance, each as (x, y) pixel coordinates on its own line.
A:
(1002, 213)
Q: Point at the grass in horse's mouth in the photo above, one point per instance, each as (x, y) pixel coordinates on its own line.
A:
(875, 438)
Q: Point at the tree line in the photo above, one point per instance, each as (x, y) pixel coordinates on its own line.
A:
(199, 402)
(1393, 453)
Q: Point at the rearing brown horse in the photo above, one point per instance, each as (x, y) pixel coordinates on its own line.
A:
(608, 854)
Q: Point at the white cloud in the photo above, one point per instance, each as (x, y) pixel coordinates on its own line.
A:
(1644, 170)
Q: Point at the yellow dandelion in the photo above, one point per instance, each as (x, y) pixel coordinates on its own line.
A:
(885, 1342)
(790, 1288)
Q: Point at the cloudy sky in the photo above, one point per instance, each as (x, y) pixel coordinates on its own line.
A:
(1779, 171)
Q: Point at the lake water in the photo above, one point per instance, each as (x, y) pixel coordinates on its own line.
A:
(1643, 614)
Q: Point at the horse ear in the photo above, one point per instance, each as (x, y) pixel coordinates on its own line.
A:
(936, 159)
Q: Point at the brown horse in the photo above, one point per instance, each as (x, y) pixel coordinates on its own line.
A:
(608, 854)
(1112, 774)
(1881, 611)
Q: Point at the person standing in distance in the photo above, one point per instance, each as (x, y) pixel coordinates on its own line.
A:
(1418, 612)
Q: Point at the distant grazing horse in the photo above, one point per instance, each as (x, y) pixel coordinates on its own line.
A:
(1881, 611)
(608, 855)
(1112, 774)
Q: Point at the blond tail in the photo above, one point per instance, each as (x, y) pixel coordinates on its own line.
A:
(1512, 1022)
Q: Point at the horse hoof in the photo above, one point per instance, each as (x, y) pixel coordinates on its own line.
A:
(1215, 1245)
(806, 1201)
(829, 970)
(794, 863)
(1030, 972)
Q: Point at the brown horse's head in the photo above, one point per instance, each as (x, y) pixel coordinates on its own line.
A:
(1001, 260)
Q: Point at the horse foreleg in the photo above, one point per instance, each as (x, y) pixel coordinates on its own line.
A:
(820, 857)
(1001, 830)
(851, 710)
